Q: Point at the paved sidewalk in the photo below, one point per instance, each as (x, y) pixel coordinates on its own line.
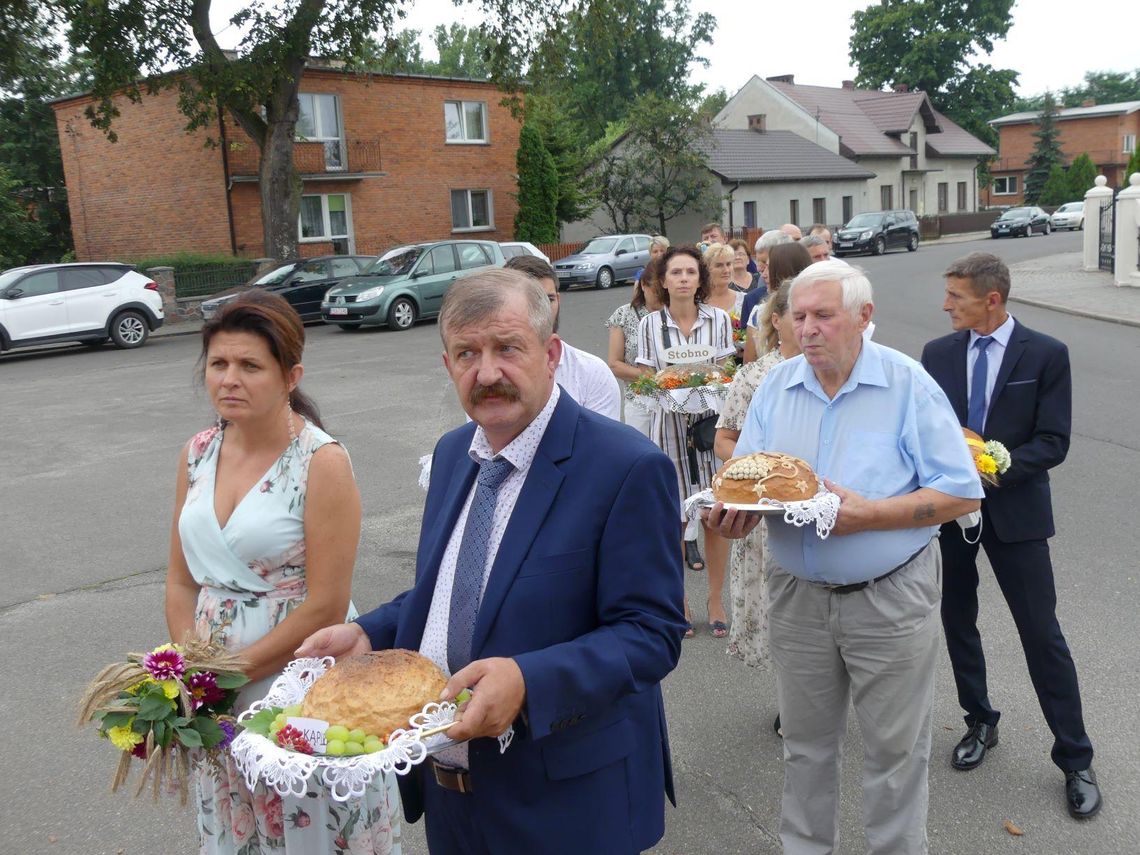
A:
(1057, 282)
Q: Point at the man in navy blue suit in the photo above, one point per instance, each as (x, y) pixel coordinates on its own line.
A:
(1011, 384)
(549, 582)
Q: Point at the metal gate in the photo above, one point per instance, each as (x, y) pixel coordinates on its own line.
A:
(1107, 243)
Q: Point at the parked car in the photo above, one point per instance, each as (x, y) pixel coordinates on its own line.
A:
(406, 284)
(1020, 221)
(511, 248)
(876, 232)
(604, 261)
(91, 303)
(302, 281)
(1071, 215)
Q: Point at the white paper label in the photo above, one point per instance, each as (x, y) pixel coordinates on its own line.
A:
(690, 353)
(313, 730)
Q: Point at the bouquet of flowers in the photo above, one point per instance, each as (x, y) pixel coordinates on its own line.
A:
(682, 377)
(739, 331)
(159, 706)
(990, 457)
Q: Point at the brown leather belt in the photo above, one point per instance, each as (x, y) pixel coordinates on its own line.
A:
(451, 778)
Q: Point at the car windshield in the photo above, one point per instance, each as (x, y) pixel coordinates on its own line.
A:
(864, 220)
(1016, 214)
(395, 262)
(1071, 206)
(275, 276)
(599, 246)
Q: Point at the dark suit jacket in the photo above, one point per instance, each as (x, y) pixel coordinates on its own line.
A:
(586, 594)
(1030, 414)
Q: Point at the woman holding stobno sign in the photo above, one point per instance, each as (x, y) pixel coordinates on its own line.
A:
(686, 330)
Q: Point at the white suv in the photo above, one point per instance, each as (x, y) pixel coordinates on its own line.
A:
(48, 303)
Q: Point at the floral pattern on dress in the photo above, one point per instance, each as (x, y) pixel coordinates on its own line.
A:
(748, 590)
(626, 318)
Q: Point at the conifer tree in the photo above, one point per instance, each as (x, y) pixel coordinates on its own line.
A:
(1046, 151)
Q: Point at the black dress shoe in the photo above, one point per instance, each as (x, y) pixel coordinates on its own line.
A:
(971, 751)
(1082, 793)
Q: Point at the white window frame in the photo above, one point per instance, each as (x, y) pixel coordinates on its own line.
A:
(490, 227)
(320, 136)
(1129, 143)
(1010, 185)
(465, 140)
(326, 221)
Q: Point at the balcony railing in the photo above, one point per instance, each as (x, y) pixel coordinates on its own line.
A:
(327, 157)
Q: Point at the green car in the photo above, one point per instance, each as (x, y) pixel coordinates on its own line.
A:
(406, 284)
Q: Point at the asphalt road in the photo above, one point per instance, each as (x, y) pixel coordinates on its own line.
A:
(88, 465)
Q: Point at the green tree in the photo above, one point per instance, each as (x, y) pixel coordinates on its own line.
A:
(134, 44)
(932, 45)
(1082, 176)
(22, 232)
(1046, 151)
(1133, 165)
(655, 170)
(537, 217)
(463, 52)
(1056, 188)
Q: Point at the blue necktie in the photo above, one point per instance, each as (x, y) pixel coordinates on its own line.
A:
(467, 586)
(976, 417)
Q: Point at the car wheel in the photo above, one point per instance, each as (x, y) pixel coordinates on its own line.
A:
(605, 279)
(912, 244)
(880, 246)
(1048, 230)
(1029, 231)
(401, 314)
(129, 330)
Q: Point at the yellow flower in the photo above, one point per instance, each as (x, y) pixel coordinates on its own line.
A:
(986, 464)
(170, 687)
(124, 738)
(167, 646)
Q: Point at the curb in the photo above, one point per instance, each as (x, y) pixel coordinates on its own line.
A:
(190, 330)
(958, 238)
(1080, 313)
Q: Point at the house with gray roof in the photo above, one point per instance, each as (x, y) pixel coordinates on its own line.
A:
(920, 159)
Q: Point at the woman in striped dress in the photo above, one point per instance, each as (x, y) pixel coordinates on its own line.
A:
(686, 319)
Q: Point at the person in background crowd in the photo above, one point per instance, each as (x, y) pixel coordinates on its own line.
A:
(585, 377)
(622, 324)
(719, 259)
(531, 590)
(686, 319)
(820, 230)
(785, 261)
(1011, 384)
(711, 233)
(817, 247)
(792, 231)
(657, 246)
(764, 245)
(853, 618)
(747, 583)
(743, 278)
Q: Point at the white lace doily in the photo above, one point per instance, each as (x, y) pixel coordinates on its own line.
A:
(821, 509)
(690, 400)
(288, 772)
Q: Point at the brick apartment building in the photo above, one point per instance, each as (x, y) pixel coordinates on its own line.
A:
(1107, 133)
(383, 160)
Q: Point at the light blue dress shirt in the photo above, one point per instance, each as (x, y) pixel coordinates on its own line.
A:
(889, 431)
(995, 353)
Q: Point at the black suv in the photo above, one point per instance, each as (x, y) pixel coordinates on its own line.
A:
(876, 232)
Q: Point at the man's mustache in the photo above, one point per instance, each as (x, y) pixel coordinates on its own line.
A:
(502, 389)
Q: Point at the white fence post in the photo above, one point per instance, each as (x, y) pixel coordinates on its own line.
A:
(1125, 271)
(1095, 199)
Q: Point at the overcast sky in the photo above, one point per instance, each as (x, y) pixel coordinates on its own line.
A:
(809, 40)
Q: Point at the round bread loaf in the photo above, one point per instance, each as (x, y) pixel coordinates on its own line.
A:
(376, 692)
(766, 475)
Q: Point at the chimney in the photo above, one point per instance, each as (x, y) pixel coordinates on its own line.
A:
(848, 84)
(758, 122)
(783, 78)
(1089, 102)
(902, 87)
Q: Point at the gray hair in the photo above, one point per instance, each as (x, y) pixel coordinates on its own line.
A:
(984, 271)
(479, 296)
(770, 239)
(856, 286)
(659, 240)
(812, 240)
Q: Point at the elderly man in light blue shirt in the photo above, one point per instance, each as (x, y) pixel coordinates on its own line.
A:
(855, 616)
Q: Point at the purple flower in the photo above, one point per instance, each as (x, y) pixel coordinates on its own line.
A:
(203, 687)
(164, 664)
(227, 728)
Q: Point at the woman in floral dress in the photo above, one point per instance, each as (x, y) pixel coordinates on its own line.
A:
(266, 527)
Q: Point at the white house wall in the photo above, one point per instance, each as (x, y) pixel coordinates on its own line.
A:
(782, 114)
(773, 201)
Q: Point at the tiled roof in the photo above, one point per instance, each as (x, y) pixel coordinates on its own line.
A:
(839, 111)
(739, 155)
(1121, 108)
(954, 140)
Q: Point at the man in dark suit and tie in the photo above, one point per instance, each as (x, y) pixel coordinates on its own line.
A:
(548, 581)
(1010, 384)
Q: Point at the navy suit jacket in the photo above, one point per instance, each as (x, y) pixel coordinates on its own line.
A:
(1030, 414)
(586, 594)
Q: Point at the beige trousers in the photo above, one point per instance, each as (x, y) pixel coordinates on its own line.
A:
(876, 648)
